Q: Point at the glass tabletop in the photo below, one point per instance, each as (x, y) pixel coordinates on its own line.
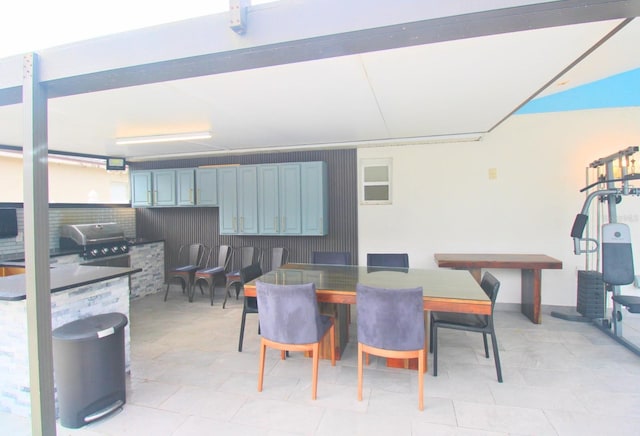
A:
(435, 283)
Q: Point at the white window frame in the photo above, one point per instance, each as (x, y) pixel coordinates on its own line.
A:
(379, 162)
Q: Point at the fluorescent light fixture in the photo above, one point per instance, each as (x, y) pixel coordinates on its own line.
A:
(163, 138)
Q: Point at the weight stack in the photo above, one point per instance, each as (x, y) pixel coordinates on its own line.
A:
(591, 295)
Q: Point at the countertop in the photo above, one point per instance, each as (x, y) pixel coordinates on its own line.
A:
(56, 252)
(63, 277)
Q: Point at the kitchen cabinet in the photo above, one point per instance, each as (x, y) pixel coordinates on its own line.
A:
(279, 209)
(164, 188)
(274, 199)
(247, 200)
(206, 186)
(314, 200)
(153, 188)
(227, 200)
(238, 200)
(186, 187)
(174, 187)
(141, 188)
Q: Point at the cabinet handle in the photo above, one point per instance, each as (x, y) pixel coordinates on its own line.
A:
(284, 223)
(155, 197)
(148, 196)
(190, 195)
(241, 224)
(233, 224)
(275, 224)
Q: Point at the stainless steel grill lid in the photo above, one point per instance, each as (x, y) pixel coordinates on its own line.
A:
(90, 234)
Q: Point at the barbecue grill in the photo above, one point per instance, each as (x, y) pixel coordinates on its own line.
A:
(96, 241)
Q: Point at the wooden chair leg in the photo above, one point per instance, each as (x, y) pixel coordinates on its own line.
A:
(421, 368)
(314, 371)
(282, 354)
(332, 339)
(263, 349)
(359, 371)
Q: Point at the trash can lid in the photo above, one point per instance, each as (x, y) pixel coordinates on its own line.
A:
(93, 327)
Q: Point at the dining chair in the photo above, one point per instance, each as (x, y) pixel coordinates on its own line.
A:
(469, 322)
(279, 256)
(334, 258)
(394, 260)
(331, 257)
(391, 325)
(190, 258)
(212, 273)
(249, 304)
(290, 321)
(248, 256)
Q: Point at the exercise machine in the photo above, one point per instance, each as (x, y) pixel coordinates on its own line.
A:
(612, 244)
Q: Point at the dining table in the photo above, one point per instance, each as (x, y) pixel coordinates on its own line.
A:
(530, 266)
(443, 290)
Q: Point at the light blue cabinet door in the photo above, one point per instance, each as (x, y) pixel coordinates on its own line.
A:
(248, 200)
(314, 198)
(141, 192)
(186, 187)
(268, 205)
(290, 199)
(207, 187)
(164, 187)
(228, 201)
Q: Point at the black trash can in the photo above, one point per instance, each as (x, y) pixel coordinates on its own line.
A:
(89, 367)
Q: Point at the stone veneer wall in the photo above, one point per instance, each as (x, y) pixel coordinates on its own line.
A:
(66, 306)
(149, 257)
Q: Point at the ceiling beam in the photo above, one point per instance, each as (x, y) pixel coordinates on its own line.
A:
(256, 52)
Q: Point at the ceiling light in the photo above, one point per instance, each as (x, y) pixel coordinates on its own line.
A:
(163, 138)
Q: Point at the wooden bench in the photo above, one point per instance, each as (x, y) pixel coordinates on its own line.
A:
(531, 266)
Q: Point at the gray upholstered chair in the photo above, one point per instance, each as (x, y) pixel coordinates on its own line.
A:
(391, 324)
(290, 321)
(469, 322)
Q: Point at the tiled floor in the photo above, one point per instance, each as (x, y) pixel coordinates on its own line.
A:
(187, 378)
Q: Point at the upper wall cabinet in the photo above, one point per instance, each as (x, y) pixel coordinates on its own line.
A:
(186, 187)
(206, 186)
(278, 199)
(153, 188)
(238, 200)
(180, 187)
(279, 202)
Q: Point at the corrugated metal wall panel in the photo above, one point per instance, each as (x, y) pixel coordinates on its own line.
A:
(184, 225)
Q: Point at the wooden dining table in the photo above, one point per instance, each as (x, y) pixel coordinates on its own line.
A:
(443, 290)
(530, 266)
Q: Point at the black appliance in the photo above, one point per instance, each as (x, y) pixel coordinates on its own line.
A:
(8, 223)
(103, 244)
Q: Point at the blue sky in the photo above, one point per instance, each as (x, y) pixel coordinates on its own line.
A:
(620, 90)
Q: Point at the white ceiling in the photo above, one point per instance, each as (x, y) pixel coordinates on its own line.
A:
(450, 88)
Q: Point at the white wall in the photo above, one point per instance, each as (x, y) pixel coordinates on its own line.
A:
(67, 183)
(444, 201)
